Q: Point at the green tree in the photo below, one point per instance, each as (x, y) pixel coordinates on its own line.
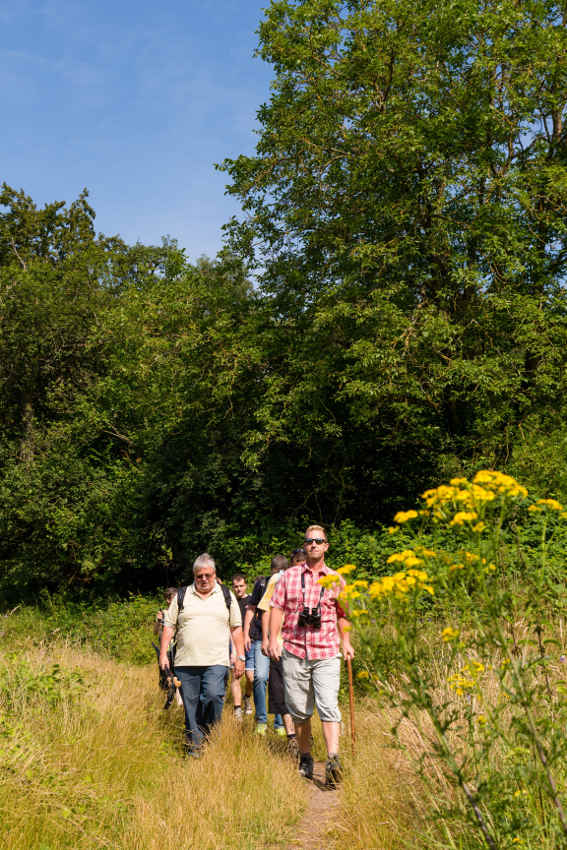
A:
(405, 211)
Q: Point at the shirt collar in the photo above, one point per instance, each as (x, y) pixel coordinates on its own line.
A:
(324, 569)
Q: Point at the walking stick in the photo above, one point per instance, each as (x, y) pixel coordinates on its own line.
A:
(351, 703)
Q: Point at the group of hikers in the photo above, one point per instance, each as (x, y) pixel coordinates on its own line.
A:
(285, 638)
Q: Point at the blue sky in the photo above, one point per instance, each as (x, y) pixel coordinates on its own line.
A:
(135, 101)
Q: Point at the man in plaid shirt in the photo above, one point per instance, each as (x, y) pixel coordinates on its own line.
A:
(313, 625)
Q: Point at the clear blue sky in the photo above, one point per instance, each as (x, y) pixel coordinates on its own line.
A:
(135, 101)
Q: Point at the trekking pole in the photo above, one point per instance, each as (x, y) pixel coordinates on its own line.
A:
(351, 703)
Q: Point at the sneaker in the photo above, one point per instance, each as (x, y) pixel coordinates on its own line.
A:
(280, 730)
(192, 752)
(237, 713)
(261, 728)
(248, 705)
(333, 771)
(306, 765)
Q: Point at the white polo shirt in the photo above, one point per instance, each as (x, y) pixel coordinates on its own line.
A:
(203, 628)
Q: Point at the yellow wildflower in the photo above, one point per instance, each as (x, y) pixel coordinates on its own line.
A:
(553, 504)
(363, 674)
(458, 482)
(327, 581)
(463, 516)
(392, 529)
(455, 567)
(404, 516)
(449, 634)
(348, 568)
(480, 526)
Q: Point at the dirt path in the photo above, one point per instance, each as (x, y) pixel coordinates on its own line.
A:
(320, 814)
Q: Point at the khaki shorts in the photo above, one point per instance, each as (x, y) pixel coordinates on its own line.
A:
(312, 682)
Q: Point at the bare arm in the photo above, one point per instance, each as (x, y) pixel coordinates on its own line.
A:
(238, 643)
(275, 624)
(344, 631)
(265, 631)
(166, 637)
(250, 609)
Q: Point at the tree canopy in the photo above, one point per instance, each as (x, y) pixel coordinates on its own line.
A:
(389, 309)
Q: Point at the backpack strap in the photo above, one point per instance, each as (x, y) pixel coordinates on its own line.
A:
(181, 596)
(227, 596)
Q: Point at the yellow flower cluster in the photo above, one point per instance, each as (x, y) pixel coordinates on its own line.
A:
(541, 504)
(408, 558)
(467, 678)
(463, 516)
(500, 483)
(449, 634)
(400, 584)
(404, 516)
(485, 487)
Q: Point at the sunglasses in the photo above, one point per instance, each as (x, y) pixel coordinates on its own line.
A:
(317, 540)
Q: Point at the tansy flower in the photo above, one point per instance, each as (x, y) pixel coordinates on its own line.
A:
(463, 516)
(449, 634)
(348, 568)
(363, 674)
(404, 516)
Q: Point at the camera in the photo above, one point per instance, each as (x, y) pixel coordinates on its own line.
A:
(310, 618)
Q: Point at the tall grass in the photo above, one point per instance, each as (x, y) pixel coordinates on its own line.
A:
(88, 759)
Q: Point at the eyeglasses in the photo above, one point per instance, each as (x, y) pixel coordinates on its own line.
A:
(318, 540)
(205, 576)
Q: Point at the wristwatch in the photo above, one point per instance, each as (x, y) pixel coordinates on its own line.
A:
(242, 658)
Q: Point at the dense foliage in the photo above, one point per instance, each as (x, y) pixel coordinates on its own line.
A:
(390, 310)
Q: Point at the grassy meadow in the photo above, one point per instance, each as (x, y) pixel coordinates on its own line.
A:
(88, 759)
(461, 686)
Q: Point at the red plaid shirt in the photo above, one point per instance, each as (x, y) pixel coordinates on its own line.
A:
(303, 641)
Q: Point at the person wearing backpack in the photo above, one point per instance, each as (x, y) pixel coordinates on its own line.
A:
(204, 617)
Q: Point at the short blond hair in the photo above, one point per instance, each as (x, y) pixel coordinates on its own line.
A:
(315, 528)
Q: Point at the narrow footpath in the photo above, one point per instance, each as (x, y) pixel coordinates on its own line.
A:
(319, 817)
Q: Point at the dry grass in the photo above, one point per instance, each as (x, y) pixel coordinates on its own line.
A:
(105, 770)
(385, 802)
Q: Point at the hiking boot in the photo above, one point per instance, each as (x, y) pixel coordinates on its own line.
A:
(280, 730)
(248, 705)
(306, 765)
(261, 728)
(333, 771)
(238, 713)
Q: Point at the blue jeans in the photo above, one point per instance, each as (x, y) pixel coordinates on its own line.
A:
(202, 692)
(261, 673)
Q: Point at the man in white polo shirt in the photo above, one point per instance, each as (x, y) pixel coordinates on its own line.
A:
(208, 618)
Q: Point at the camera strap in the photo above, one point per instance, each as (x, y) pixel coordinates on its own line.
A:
(303, 591)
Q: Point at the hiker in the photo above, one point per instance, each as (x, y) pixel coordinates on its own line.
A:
(168, 595)
(253, 645)
(239, 590)
(204, 617)
(313, 625)
(164, 680)
(275, 681)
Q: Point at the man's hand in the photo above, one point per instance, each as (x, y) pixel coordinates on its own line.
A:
(274, 650)
(238, 668)
(265, 647)
(163, 661)
(348, 649)
(247, 643)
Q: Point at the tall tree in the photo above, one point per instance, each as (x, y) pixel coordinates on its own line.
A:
(406, 212)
